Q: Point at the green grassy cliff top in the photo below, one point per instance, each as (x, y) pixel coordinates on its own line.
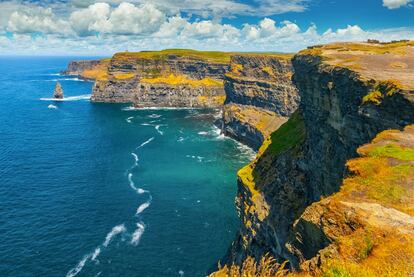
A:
(210, 56)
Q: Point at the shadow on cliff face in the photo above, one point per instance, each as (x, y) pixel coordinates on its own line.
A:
(283, 181)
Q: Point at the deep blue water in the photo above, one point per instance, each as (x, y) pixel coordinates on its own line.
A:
(73, 181)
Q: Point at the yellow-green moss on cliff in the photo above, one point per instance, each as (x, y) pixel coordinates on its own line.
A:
(176, 80)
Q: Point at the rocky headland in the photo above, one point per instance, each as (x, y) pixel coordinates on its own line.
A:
(330, 192)
(307, 199)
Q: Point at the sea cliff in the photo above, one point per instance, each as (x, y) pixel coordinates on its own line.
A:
(330, 191)
(349, 94)
(169, 78)
(260, 96)
(254, 91)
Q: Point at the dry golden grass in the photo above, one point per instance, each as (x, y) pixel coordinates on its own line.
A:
(100, 72)
(123, 76)
(267, 267)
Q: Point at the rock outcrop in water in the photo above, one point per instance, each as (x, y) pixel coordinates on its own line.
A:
(58, 93)
(260, 97)
(349, 94)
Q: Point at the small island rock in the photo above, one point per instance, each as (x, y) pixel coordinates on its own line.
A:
(58, 94)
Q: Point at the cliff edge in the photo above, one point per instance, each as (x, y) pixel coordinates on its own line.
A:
(349, 94)
(260, 96)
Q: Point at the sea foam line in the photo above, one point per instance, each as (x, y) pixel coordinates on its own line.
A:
(145, 143)
(144, 206)
(70, 98)
(92, 256)
(136, 236)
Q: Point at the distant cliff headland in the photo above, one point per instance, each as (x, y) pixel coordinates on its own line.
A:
(331, 191)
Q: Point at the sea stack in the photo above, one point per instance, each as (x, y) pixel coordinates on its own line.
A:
(58, 94)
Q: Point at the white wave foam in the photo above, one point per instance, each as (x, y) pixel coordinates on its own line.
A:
(136, 236)
(154, 115)
(143, 207)
(78, 268)
(180, 139)
(75, 271)
(203, 133)
(115, 231)
(96, 253)
(129, 119)
(75, 79)
(145, 143)
(70, 98)
(198, 158)
(52, 107)
(157, 127)
(132, 108)
(131, 182)
(132, 185)
(135, 158)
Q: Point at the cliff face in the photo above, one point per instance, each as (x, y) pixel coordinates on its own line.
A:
(78, 67)
(170, 78)
(343, 106)
(259, 97)
(368, 227)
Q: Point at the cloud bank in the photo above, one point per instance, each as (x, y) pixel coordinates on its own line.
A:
(91, 27)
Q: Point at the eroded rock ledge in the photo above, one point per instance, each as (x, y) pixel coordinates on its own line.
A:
(260, 97)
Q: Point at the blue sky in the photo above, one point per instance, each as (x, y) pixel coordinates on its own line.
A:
(102, 27)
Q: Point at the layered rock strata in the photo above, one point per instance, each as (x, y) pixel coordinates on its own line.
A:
(170, 78)
(260, 97)
(343, 106)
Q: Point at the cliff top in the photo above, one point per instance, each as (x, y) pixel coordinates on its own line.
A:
(210, 56)
(377, 61)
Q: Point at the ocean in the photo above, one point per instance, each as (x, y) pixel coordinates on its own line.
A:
(92, 189)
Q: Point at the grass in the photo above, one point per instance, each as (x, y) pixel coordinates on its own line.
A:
(218, 100)
(288, 135)
(397, 48)
(123, 76)
(175, 80)
(210, 56)
(99, 72)
(381, 90)
(266, 267)
(393, 150)
(268, 70)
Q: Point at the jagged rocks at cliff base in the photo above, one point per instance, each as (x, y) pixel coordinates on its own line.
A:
(58, 93)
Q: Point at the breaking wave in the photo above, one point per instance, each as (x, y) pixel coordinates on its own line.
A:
(157, 127)
(145, 143)
(53, 107)
(92, 256)
(70, 98)
(115, 231)
(136, 236)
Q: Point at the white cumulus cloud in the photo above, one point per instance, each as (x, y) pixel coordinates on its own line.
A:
(124, 19)
(36, 20)
(395, 4)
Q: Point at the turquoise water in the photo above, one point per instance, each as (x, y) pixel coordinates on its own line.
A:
(102, 190)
